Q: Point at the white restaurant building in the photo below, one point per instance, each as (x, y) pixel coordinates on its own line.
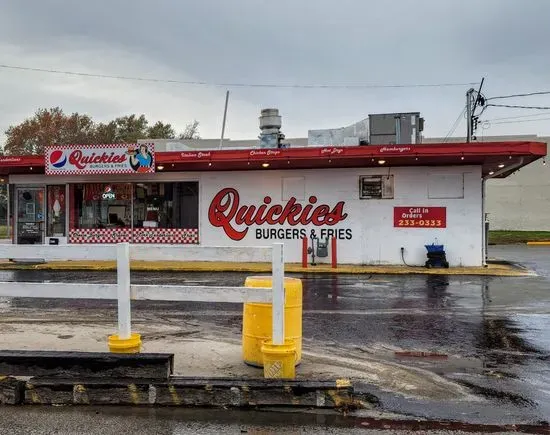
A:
(371, 200)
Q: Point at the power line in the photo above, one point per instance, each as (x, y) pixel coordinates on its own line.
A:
(523, 120)
(529, 94)
(532, 115)
(512, 106)
(242, 85)
(455, 125)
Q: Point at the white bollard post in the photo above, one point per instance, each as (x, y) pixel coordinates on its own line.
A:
(278, 290)
(123, 291)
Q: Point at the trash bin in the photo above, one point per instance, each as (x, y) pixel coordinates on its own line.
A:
(436, 256)
(257, 320)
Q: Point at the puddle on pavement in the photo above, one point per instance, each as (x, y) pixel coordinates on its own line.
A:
(498, 353)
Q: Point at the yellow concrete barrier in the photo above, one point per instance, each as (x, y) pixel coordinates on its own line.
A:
(129, 345)
(257, 320)
(279, 360)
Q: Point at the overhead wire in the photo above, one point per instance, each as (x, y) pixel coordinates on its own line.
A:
(528, 94)
(532, 115)
(456, 124)
(243, 85)
(521, 121)
(513, 106)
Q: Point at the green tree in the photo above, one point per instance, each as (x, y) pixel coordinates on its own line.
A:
(160, 131)
(53, 127)
(131, 128)
(48, 127)
(105, 133)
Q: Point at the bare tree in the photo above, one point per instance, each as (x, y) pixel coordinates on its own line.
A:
(191, 131)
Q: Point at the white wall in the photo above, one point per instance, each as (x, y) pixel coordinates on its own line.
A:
(374, 239)
(521, 201)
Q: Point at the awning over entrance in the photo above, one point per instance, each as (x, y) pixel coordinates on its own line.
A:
(498, 159)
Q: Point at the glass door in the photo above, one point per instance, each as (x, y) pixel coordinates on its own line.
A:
(30, 215)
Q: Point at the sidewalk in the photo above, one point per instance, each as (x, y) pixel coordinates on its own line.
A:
(201, 351)
(501, 269)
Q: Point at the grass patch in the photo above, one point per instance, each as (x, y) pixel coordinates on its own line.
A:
(510, 237)
(3, 232)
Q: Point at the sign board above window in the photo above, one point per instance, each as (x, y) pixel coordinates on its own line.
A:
(100, 159)
(446, 186)
(376, 187)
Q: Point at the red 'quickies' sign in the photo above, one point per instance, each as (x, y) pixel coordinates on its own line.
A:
(100, 159)
(420, 217)
(227, 212)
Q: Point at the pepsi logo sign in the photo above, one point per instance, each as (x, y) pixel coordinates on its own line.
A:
(100, 159)
(58, 159)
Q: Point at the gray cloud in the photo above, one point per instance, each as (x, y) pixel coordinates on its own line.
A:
(286, 42)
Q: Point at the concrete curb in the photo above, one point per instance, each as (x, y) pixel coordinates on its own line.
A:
(86, 364)
(186, 392)
(205, 266)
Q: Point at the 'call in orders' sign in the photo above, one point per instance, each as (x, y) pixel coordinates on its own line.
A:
(420, 217)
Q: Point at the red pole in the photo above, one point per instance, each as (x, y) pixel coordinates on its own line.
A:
(304, 252)
(334, 257)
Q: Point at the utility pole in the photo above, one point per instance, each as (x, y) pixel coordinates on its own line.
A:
(469, 108)
(224, 118)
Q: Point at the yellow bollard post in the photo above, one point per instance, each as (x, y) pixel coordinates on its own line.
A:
(131, 343)
(121, 345)
(257, 320)
(279, 360)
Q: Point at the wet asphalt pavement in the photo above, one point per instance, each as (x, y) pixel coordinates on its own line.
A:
(178, 421)
(493, 333)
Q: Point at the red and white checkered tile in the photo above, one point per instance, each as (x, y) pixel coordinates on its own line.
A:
(118, 235)
(168, 236)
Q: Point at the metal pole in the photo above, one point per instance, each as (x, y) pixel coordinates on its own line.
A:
(131, 185)
(8, 213)
(224, 118)
(398, 130)
(278, 289)
(484, 234)
(123, 291)
(469, 114)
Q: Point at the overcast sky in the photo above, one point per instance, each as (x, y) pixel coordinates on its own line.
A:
(285, 42)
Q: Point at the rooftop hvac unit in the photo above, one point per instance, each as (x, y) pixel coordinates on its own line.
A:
(395, 128)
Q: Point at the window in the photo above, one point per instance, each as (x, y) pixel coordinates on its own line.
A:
(376, 187)
(166, 205)
(56, 215)
(103, 205)
(30, 215)
(135, 212)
